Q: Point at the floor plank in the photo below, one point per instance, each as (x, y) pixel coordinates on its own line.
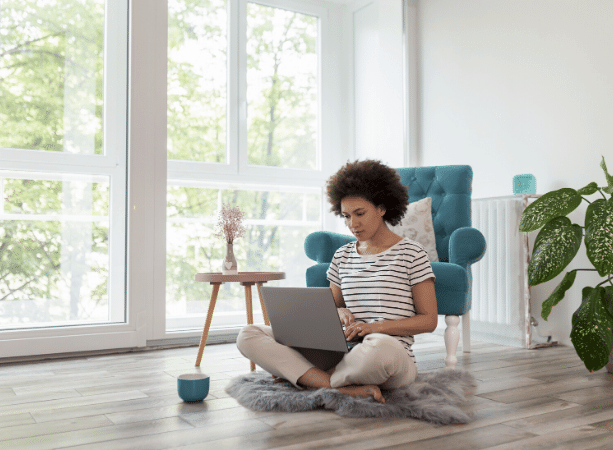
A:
(542, 399)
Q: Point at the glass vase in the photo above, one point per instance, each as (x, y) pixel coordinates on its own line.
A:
(228, 265)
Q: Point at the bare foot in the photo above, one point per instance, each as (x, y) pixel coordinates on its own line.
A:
(370, 390)
(276, 379)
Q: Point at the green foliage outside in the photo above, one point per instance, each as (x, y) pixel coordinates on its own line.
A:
(192, 247)
(557, 244)
(282, 111)
(31, 250)
(46, 50)
(197, 80)
(51, 100)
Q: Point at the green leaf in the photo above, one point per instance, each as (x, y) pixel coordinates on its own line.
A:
(591, 334)
(590, 189)
(552, 204)
(609, 178)
(554, 248)
(558, 293)
(599, 235)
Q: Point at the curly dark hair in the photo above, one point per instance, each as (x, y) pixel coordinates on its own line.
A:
(373, 181)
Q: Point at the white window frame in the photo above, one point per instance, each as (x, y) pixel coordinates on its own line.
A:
(125, 326)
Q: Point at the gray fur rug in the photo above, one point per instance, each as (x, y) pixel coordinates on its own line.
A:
(435, 397)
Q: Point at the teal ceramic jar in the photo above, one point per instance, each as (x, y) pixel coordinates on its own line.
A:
(193, 387)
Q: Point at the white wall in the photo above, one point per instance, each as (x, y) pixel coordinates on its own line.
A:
(519, 86)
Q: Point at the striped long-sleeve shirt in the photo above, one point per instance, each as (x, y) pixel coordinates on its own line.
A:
(378, 287)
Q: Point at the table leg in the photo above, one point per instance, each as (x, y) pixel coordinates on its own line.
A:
(207, 324)
(249, 312)
(266, 321)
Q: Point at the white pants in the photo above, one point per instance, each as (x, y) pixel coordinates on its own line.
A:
(380, 359)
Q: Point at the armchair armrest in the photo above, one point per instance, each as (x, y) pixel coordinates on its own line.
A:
(321, 245)
(466, 246)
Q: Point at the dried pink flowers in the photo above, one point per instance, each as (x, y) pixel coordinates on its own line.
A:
(230, 223)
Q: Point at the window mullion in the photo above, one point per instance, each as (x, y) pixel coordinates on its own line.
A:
(236, 107)
(241, 81)
(115, 81)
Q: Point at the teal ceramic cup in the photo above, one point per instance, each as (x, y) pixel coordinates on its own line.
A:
(193, 387)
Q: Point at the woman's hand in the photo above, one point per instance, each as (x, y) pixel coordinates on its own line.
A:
(346, 317)
(361, 329)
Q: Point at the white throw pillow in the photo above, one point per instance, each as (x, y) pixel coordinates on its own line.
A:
(417, 226)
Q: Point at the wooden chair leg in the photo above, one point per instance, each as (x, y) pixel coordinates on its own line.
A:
(452, 338)
(207, 324)
(264, 313)
(249, 314)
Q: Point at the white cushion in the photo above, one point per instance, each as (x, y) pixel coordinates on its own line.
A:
(417, 226)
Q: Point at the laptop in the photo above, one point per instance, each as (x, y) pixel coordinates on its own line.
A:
(306, 320)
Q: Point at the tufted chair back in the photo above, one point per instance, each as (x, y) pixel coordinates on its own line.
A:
(450, 188)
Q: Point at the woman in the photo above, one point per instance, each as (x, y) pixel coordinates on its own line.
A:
(383, 287)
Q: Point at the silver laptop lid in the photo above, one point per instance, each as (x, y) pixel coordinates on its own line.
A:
(304, 317)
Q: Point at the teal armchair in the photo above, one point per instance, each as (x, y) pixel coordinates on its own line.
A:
(458, 245)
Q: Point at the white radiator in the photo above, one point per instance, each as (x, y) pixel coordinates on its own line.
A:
(500, 310)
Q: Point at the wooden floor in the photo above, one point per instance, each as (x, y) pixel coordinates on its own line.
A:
(526, 399)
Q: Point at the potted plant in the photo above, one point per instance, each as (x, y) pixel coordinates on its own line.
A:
(556, 245)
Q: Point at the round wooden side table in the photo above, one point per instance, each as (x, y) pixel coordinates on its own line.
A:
(246, 279)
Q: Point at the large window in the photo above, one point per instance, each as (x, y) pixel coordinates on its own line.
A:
(124, 126)
(243, 129)
(63, 111)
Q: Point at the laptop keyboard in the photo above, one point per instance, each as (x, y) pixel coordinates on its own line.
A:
(353, 343)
